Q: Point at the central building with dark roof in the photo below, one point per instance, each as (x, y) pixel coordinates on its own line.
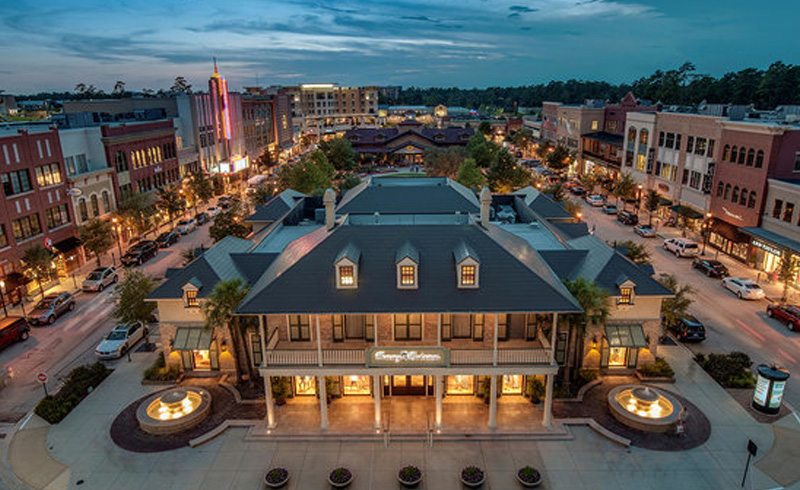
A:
(411, 286)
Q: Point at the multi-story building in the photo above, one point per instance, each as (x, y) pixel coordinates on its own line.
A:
(407, 287)
(90, 176)
(36, 207)
(267, 123)
(328, 106)
(640, 147)
(144, 156)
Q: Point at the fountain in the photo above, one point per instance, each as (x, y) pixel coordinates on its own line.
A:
(174, 410)
(645, 408)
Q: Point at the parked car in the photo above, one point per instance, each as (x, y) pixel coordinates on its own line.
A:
(681, 247)
(688, 329)
(743, 288)
(120, 340)
(201, 219)
(213, 211)
(140, 253)
(577, 190)
(13, 329)
(789, 315)
(711, 268)
(186, 226)
(595, 200)
(99, 279)
(50, 308)
(627, 218)
(167, 239)
(645, 231)
(609, 208)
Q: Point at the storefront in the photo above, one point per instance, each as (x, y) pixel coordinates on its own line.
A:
(727, 238)
(621, 344)
(198, 349)
(687, 217)
(767, 249)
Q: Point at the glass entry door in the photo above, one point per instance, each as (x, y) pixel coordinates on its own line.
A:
(409, 385)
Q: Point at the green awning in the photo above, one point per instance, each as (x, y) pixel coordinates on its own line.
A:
(663, 201)
(192, 338)
(625, 336)
(686, 211)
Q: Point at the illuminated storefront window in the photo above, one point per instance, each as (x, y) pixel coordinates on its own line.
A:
(356, 385)
(460, 385)
(617, 356)
(512, 384)
(202, 360)
(305, 385)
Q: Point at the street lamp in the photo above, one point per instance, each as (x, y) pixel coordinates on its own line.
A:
(707, 230)
(117, 230)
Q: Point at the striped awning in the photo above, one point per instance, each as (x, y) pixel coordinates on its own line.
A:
(630, 335)
(192, 338)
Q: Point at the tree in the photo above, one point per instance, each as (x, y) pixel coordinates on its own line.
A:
(228, 223)
(200, 188)
(652, 201)
(39, 262)
(444, 162)
(97, 237)
(265, 160)
(484, 152)
(676, 307)
(348, 182)
(636, 252)
(261, 195)
(181, 86)
(624, 188)
(218, 309)
(312, 175)
(523, 139)
(485, 128)
(556, 192)
(505, 175)
(119, 89)
(138, 210)
(339, 153)
(787, 273)
(170, 201)
(130, 297)
(558, 159)
(572, 208)
(469, 175)
(594, 301)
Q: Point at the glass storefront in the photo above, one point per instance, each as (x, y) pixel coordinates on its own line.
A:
(305, 385)
(617, 357)
(356, 385)
(460, 385)
(202, 360)
(512, 384)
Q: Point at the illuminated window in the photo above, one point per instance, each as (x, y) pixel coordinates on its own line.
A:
(469, 275)
(625, 296)
(408, 275)
(191, 298)
(461, 384)
(346, 275)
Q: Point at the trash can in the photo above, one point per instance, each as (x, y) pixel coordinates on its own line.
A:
(770, 385)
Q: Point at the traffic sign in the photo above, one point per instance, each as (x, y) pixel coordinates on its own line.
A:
(41, 377)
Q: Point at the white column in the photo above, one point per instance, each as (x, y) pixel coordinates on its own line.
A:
(494, 341)
(438, 388)
(375, 326)
(493, 403)
(553, 338)
(270, 403)
(439, 329)
(262, 334)
(377, 393)
(319, 344)
(323, 402)
(547, 418)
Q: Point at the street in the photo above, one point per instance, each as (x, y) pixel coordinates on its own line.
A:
(70, 342)
(731, 324)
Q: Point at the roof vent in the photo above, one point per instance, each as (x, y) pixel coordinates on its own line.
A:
(377, 216)
(534, 224)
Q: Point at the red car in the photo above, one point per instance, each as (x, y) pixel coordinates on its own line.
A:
(788, 314)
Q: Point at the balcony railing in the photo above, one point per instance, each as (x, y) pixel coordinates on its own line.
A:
(463, 357)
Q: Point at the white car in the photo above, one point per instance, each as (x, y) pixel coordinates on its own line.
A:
(213, 211)
(120, 340)
(99, 279)
(645, 231)
(743, 288)
(682, 247)
(595, 200)
(186, 226)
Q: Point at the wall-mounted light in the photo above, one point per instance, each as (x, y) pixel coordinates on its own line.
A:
(224, 346)
(594, 342)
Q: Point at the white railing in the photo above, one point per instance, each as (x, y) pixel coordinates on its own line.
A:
(343, 356)
(292, 358)
(471, 356)
(458, 357)
(504, 356)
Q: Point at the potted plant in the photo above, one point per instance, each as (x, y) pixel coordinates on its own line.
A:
(409, 476)
(536, 390)
(281, 389)
(529, 477)
(276, 477)
(472, 477)
(340, 477)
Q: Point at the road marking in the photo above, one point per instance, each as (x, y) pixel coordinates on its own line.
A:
(99, 316)
(752, 332)
(787, 356)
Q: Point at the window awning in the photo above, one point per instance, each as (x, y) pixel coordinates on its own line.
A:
(67, 245)
(663, 201)
(192, 338)
(686, 211)
(625, 336)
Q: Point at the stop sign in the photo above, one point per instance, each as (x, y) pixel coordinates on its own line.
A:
(42, 377)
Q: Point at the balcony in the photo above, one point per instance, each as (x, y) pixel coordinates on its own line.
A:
(458, 357)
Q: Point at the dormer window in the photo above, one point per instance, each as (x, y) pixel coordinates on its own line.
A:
(347, 275)
(626, 292)
(407, 263)
(191, 298)
(346, 268)
(190, 293)
(408, 275)
(467, 267)
(469, 275)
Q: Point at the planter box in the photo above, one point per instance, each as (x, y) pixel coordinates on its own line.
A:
(654, 379)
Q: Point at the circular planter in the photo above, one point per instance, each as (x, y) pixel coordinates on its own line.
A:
(528, 481)
(340, 478)
(409, 476)
(276, 478)
(472, 477)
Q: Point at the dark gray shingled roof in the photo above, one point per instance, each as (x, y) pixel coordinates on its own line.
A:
(543, 205)
(431, 195)
(508, 278)
(276, 207)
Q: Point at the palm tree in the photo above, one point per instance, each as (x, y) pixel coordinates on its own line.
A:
(594, 301)
(219, 310)
(651, 203)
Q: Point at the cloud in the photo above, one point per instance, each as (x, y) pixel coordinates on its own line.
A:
(522, 9)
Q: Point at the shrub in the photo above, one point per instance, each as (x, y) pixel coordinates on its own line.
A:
(587, 375)
(276, 476)
(529, 474)
(158, 371)
(535, 389)
(340, 476)
(658, 369)
(472, 474)
(409, 473)
(79, 383)
(730, 370)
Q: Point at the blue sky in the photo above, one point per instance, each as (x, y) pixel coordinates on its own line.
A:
(49, 45)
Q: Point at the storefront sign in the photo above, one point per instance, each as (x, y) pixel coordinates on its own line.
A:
(408, 356)
(766, 247)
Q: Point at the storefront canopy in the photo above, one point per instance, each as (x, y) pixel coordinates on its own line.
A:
(67, 245)
(772, 238)
(663, 201)
(625, 336)
(192, 338)
(686, 211)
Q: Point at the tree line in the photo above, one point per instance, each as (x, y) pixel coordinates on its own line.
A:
(779, 84)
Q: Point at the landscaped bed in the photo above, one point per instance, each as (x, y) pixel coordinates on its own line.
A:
(80, 382)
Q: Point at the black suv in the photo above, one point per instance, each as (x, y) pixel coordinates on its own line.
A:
(201, 218)
(140, 253)
(711, 268)
(627, 218)
(167, 239)
(688, 329)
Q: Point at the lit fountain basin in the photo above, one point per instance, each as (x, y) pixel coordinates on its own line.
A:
(174, 410)
(645, 408)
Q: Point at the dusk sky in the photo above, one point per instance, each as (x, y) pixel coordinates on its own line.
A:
(53, 45)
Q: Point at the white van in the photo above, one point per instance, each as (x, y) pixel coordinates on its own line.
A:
(682, 247)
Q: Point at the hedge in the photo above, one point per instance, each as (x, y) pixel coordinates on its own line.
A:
(80, 382)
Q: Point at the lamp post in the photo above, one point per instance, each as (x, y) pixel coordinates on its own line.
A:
(117, 230)
(706, 231)
(3, 295)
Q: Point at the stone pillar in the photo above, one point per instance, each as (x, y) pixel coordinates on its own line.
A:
(547, 418)
(270, 404)
(438, 388)
(493, 403)
(377, 393)
(319, 344)
(323, 403)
